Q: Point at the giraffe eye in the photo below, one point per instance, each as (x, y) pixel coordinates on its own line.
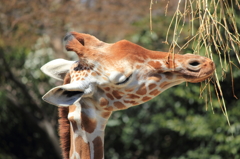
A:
(125, 81)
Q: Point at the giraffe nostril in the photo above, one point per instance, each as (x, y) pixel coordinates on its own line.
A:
(194, 63)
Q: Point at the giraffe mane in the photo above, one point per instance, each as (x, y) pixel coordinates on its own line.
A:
(64, 131)
(64, 125)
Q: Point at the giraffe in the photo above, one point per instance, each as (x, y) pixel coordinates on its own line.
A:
(110, 77)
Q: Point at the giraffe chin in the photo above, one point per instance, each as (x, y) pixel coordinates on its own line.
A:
(193, 79)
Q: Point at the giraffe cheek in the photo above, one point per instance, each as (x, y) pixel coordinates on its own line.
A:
(155, 64)
(109, 96)
(142, 90)
(117, 94)
(164, 84)
(155, 92)
(132, 96)
(156, 78)
(146, 98)
(119, 105)
(103, 102)
(151, 86)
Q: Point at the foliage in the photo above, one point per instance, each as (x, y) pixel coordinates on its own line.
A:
(212, 27)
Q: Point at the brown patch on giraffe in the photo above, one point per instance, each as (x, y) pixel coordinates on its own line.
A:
(155, 64)
(67, 78)
(88, 124)
(72, 108)
(103, 102)
(131, 102)
(129, 90)
(146, 98)
(119, 105)
(78, 79)
(109, 96)
(82, 148)
(155, 92)
(151, 86)
(138, 66)
(117, 94)
(73, 123)
(99, 74)
(163, 84)
(109, 108)
(106, 114)
(156, 78)
(106, 88)
(142, 90)
(93, 74)
(132, 96)
(98, 148)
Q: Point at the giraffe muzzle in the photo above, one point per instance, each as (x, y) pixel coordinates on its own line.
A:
(197, 68)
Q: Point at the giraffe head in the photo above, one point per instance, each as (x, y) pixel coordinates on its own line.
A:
(119, 75)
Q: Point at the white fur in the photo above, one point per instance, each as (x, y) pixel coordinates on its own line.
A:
(116, 77)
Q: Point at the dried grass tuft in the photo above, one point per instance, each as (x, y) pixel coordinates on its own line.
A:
(216, 33)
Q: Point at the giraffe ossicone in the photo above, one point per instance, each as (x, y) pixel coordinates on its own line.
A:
(110, 77)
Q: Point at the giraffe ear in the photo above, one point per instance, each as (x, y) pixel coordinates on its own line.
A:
(64, 95)
(57, 68)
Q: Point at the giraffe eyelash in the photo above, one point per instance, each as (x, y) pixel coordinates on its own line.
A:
(125, 81)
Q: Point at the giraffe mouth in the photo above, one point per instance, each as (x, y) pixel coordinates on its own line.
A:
(198, 76)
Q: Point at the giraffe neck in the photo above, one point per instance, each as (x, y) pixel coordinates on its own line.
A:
(86, 131)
